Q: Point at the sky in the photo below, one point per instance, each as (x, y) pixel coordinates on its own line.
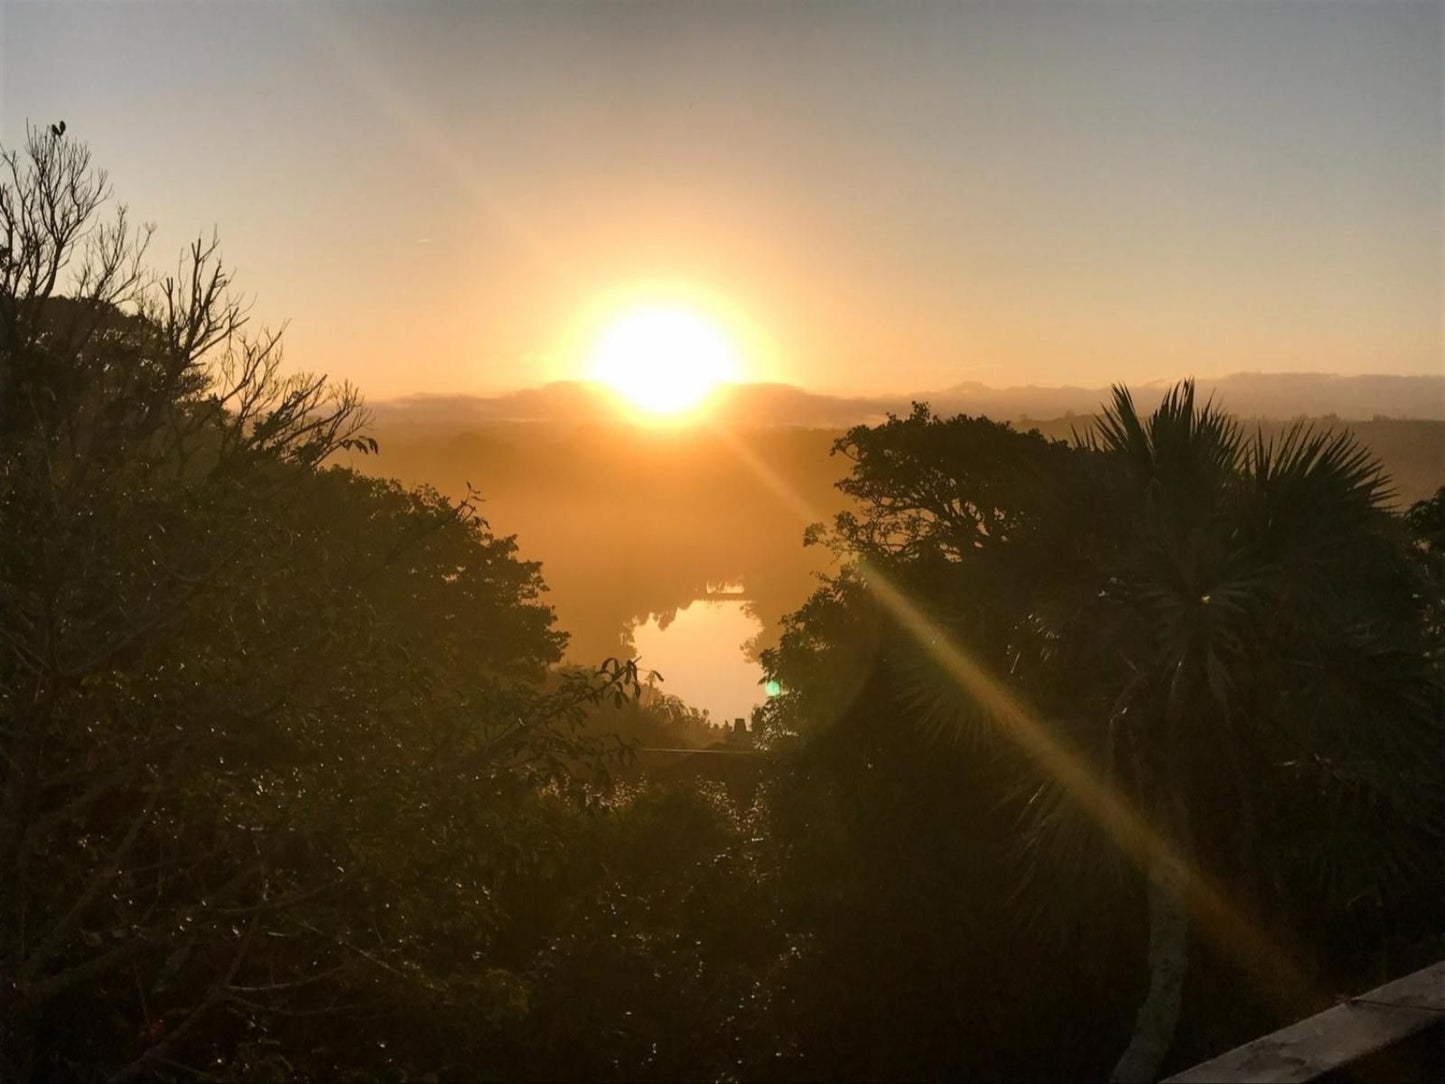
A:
(865, 197)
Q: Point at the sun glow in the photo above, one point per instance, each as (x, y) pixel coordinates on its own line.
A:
(663, 358)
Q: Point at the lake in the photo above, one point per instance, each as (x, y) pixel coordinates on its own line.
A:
(700, 655)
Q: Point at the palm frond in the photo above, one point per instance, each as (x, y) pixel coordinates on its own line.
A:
(1326, 467)
(1180, 460)
(1068, 865)
(1119, 430)
(937, 705)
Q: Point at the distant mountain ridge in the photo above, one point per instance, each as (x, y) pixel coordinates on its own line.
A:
(1253, 395)
(762, 404)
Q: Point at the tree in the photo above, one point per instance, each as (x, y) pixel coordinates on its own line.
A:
(1426, 523)
(1260, 636)
(1427, 519)
(1207, 623)
(270, 733)
(897, 831)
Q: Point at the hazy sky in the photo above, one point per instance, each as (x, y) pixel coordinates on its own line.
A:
(444, 197)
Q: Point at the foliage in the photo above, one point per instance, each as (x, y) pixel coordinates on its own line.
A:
(272, 733)
(1205, 622)
(1426, 523)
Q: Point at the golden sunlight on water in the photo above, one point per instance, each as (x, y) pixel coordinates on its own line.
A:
(701, 658)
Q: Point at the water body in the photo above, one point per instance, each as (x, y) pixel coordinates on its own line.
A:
(700, 655)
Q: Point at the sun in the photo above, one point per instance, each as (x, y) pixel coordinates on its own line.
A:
(663, 358)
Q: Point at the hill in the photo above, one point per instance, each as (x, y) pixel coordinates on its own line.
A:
(1251, 395)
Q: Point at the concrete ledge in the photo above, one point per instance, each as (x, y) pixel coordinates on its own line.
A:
(1334, 1038)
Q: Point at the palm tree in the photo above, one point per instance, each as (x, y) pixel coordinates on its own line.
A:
(1214, 623)
(1254, 629)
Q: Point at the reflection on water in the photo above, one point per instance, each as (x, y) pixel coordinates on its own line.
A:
(701, 658)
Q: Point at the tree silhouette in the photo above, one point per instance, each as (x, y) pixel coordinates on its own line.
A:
(1212, 624)
(1262, 609)
(266, 727)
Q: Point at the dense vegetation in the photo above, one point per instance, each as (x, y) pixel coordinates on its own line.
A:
(1124, 746)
